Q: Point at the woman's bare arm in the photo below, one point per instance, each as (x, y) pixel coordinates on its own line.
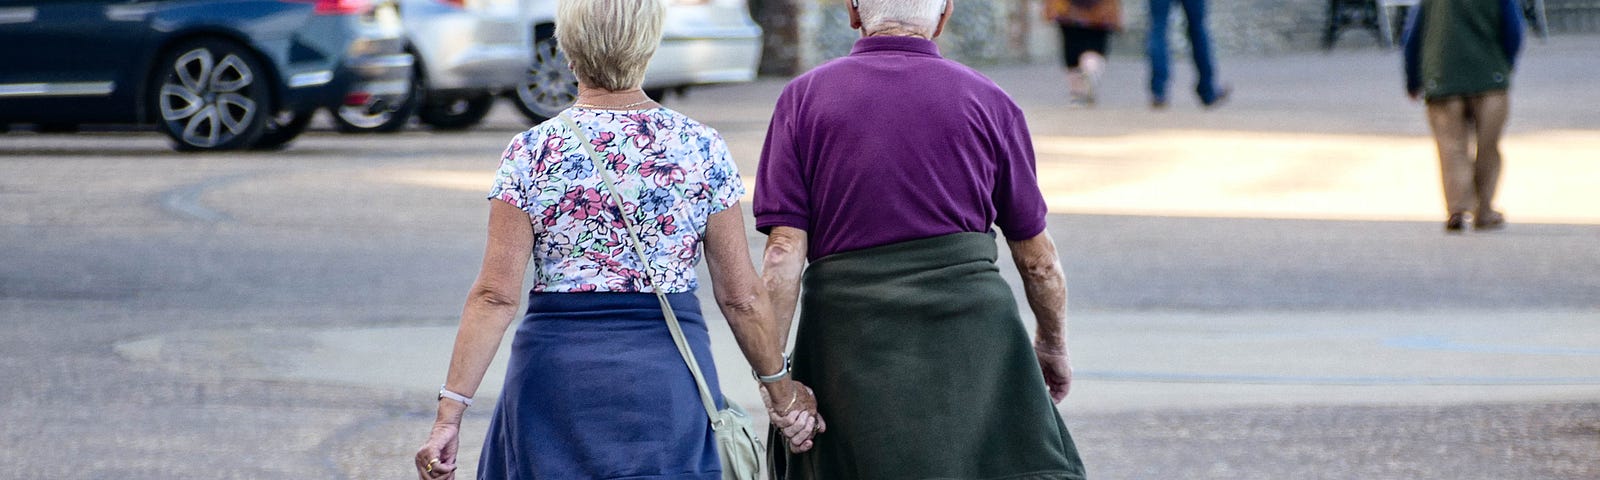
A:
(492, 304)
(743, 299)
(739, 292)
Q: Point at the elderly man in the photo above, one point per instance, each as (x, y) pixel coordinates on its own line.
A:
(888, 170)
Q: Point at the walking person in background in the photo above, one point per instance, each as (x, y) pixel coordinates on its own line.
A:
(1459, 56)
(1086, 27)
(888, 170)
(1194, 14)
(596, 386)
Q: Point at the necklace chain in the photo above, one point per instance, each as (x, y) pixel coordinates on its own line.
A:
(605, 107)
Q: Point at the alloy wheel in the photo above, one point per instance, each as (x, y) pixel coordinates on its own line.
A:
(206, 100)
(550, 85)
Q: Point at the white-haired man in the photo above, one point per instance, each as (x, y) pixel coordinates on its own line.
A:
(888, 170)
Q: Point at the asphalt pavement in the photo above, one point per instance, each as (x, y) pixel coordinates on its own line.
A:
(1260, 291)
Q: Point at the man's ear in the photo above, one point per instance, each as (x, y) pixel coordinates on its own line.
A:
(855, 15)
(949, 9)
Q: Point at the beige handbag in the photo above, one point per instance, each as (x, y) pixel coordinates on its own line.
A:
(737, 441)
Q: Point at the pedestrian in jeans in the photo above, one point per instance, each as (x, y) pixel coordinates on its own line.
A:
(1194, 13)
(1459, 55)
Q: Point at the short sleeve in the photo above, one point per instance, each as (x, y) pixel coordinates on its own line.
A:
(722, 175)
(782, 198)
(1019, 205)
(512, 182)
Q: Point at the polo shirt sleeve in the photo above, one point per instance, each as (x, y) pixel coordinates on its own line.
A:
(1019, 205)
(782, 199)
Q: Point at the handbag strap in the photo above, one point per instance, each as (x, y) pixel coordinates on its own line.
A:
(638, 249)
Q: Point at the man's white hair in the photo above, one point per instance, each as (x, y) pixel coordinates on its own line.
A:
(912, 14)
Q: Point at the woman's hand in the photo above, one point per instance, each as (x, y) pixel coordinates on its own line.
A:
(436, 460)
(1057, 365)
(792, 407)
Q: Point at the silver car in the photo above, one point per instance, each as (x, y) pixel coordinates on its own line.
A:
(468, 51)
(704, 42)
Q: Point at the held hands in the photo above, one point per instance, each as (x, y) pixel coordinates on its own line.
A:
(793, 409)
(1056, 362)
(436, 460)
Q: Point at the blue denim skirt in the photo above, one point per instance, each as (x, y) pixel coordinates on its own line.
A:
(596, 389)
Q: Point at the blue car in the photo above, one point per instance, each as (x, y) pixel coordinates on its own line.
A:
(211, 74)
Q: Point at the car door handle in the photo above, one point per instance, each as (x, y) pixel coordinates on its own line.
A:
(18, 15)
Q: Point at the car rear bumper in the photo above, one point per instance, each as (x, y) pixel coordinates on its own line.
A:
(374, 68)
(384, 79)
(719, 57)
(464, 51)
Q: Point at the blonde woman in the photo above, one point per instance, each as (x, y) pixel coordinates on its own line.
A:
(595, 387)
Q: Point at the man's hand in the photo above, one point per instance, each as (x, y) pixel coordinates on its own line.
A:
(792, 407)
(1056, 362)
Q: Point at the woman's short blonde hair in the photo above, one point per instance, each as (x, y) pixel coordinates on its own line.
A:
(609, 42)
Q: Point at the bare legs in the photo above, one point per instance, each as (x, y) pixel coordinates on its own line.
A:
(1082, 80)
(1467, 131)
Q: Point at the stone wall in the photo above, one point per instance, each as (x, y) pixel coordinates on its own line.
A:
(804, 33)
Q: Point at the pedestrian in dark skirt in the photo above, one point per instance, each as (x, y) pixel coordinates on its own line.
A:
(596, 387)
(1086, 28)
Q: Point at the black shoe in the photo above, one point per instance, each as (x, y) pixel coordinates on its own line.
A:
(1222, 97)
(1456, 223)
(1158, 103)
(1488, 220)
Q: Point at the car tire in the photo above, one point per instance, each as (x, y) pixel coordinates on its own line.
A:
(211, 95)
(356, 119)
(549, 87)
(456, 113)
(657, 94)
(54, 128)
(284, 128)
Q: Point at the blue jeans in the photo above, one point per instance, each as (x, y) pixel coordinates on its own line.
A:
(1194, 11)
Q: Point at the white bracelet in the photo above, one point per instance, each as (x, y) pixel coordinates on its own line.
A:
(776, 377)
(446, 393)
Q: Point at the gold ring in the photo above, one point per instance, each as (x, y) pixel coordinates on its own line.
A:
(430, 465)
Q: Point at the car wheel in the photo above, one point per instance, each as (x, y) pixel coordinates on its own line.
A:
(382, 119)
(283, 128)
(211, 95)
(549, 87)
(456, 113)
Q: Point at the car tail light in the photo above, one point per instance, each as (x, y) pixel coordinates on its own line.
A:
(339, 7)
(456, 3)
(357, 99)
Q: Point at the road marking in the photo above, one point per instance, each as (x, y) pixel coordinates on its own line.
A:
(185, 201)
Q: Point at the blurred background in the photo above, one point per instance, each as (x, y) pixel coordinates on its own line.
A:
(235, 235)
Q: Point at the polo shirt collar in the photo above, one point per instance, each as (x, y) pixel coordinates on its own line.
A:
(914, 45)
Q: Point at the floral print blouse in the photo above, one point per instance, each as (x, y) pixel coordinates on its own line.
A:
(673, 173)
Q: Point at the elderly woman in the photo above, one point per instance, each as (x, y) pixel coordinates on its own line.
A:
(596, 386)
(886, 170)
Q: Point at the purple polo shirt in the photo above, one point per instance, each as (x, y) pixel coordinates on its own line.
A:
(895, 143)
